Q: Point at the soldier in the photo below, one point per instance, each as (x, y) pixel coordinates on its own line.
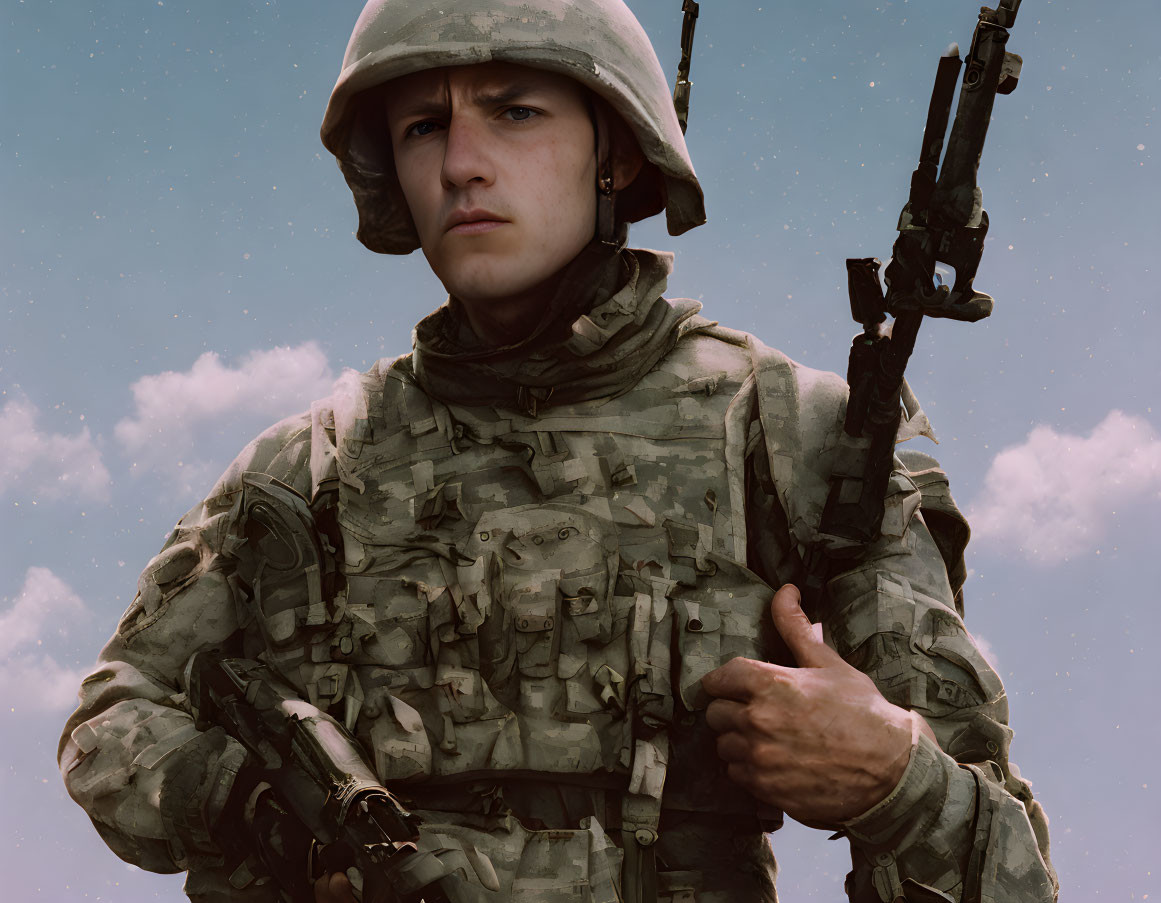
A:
(517, 561)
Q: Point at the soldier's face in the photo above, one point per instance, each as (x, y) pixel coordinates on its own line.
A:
(497, 164)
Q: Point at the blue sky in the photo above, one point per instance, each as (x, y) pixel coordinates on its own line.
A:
(178, 270)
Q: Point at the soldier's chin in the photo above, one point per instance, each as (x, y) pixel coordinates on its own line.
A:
(481, 275)
(486, 288)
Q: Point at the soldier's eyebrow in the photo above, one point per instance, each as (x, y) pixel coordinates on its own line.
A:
(507, 93)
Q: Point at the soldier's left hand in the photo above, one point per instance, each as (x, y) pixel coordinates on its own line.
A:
(819, 741)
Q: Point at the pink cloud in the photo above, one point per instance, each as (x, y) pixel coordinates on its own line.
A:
(35, 462)
(45, 602)
(44, 608)
(1056, 495)
(37, 683)
(173, 411)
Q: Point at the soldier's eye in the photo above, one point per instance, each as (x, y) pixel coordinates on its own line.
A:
(520, 114)
(420, 129)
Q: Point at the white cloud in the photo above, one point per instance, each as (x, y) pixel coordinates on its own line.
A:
(37, 682)
(1056, 494)
(45, 606)
(175, 412)
(49, 465)
(44, 601)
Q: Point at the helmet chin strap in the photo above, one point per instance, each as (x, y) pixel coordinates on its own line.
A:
(607, 232)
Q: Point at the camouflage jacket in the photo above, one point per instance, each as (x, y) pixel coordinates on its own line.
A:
(518, 599)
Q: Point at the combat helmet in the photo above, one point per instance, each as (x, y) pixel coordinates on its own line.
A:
(598, 43)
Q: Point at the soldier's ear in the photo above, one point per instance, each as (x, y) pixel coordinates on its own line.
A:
(639, 184)
(627, 156)
(624, 153)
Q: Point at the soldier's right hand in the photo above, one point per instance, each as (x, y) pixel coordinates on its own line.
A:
(334, 887)
(819, 741)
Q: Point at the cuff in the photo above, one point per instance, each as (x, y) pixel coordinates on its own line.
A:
(909, 809)
(194, 794)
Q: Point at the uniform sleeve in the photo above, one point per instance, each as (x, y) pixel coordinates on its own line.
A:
(130, 755)
(961, 822)
(961, 825)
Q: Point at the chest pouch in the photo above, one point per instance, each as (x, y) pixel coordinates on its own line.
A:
(552, 575)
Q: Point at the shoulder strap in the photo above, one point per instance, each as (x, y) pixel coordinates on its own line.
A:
(801, 412)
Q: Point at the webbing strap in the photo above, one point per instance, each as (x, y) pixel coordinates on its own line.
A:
(640, 818)
(639, 844)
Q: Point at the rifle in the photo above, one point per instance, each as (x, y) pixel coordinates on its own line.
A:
(943, 221)
(316, 774)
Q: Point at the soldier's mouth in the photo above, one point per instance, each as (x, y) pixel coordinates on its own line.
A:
(476, 227)
(472, 217)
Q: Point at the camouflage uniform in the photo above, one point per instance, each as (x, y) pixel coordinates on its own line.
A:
(526, 562)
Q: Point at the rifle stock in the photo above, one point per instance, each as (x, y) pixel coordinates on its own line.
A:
(317, 774)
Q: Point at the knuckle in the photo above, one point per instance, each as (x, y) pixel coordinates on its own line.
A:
(765, 757)
(741, 665)
(759, 719)
(762, 720)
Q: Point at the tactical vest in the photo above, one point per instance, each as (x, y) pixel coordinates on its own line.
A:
(494, 599)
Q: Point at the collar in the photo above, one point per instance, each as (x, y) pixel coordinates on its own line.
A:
(606, 328)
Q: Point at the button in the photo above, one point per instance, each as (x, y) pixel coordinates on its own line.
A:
(646, 837)
(563, 534)
(485, 536)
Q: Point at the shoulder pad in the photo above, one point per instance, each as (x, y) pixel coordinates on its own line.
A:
(343, 422)
(949, 528)
(283, 451)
